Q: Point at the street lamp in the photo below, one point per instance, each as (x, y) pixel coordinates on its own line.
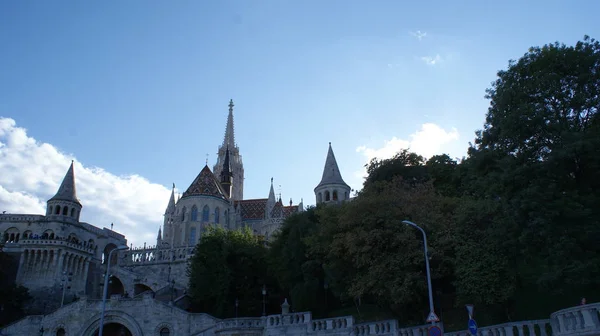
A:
(106, 276)
(237, 303)
(426, 264)
(264, 293)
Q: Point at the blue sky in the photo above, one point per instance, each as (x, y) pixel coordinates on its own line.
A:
(142, 87)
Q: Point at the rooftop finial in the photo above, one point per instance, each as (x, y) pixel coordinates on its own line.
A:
(231, 105)
(271, 181)
(207, 159)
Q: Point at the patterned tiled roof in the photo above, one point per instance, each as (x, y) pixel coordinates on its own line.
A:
(252, 208)
(289, 210)
(205, 184)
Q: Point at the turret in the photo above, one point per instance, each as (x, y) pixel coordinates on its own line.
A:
(227, 175)
(271, 201)
(236, 167)
(332, 187)
(65, 202)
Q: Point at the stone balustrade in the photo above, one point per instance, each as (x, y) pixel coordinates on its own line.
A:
(343, 322)
(54, 242)
(288, 319)
(243, 323)
(580, 320)
(154, 255)
(530, 328)
(388, 327)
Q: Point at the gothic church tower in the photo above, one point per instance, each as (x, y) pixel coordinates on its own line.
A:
(65, 203)
(235, 159)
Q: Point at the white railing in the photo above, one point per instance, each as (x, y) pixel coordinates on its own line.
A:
(580, 320)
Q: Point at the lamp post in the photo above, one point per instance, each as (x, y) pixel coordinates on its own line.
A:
(264, 294)
(237, 303)
(426, 264)
(106, 276)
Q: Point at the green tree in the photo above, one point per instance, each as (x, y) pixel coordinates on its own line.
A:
(227, 266)
(407, 164)
(298, 273)
(538, 152)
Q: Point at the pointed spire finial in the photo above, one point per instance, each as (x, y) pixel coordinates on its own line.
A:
(271, 181)
(231, 105)
(207, 159)
(173, 185)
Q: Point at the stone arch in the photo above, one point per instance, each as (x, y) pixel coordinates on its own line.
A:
(12, 234)
(27, 234)
(160, 329)
(140, 288)
(65, 211)
(57, 210)
(48, 234)
(111, 316)
(115, 286)
(109, 247)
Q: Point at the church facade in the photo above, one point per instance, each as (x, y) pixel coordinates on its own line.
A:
(62, 259)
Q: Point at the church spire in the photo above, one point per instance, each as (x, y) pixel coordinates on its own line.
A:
(226, 174)
(229, 139)
(67, 191)
(171, 205)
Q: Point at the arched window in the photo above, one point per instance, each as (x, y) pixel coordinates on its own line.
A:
(60, 332)
(346, 195)
(217, 215)
(335, 197)
(327, 197)
(165, 332)
(65, 211)
(183, 214)
(205, 214)
(194, 213)
(57, 212)
(319, 197)
(72, 212)
(192, 241)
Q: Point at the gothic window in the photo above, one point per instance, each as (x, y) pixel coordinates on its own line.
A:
(65, 211)
(192, 237)
(335, 196)
(194, 213)
(205, 214)
(183, 214)
(217, 215)
(327, 197)
(57, 212)
(165, 332)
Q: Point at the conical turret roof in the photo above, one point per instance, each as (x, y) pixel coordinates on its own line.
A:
(67, 190)
(331, 171)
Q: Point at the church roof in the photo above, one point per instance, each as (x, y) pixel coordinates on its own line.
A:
(331, 172)
(289, 210)
(252, 208)
(205, 184)
(67, 191)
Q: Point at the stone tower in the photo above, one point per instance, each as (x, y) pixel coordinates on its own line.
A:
(65, 202)
(235, 159)
(227, 175)
(332, 187)
(169, 221)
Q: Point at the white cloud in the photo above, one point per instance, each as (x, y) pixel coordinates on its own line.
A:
(30, 173)
(429, 60)
(419, 34)
(430, 140)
